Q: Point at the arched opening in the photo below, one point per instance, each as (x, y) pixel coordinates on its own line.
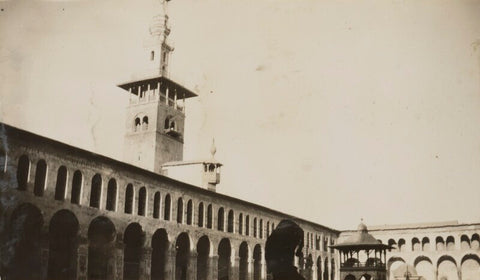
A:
(112, 195)
(425, 244)
(268, 229)
(416, 244)
(450, 243)
(209, 216)
(129, 193)
(203, 251)
(61, 183)
(440, 244)
(40, 178)
(243, 261)
(254, 227)
(247, 225)
(23, 172)
(3, 160)
(423, 266)
(63, 244)
(464, 242)
(136, 125)
(200, 214)
(133, 251)
(401, 245)
(393, 264)
(24, 248)
(166, 124)
(159, 254)
(257, 262)
(142, 201)
(319, 268)
(325, 267)
(260, 229)
(180, 211)
(77, 182)
(96, 191)
(350, 277)
(101, 234)
(221, 219)
(333, 269)
(156, 205)
(447, 268)
(230, 221)
(145, 123)
(182, 256)
(240, 223)
(470, 267)
(475, 241)
(224, 252)
(308, 267)
(189, 212)
(168, 207)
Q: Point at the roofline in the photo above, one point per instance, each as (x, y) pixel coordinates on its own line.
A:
(411, 227)
(23, 133)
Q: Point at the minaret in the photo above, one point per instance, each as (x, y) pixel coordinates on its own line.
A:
(156, 111)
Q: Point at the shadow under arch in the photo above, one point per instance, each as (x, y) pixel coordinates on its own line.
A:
(446, 258)
(101, 237)
(470, 257)
(160, 245)
(421, 258)
(204, 248)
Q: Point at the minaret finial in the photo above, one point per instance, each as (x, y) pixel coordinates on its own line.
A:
(213, 149)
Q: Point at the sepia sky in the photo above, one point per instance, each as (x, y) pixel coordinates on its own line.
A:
(327, 110)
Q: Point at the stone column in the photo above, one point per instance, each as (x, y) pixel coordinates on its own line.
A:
(146, 263)
(115, 263)
(82, 261)
(192, 266)
(250, 268)
(213, 267)
(170, 264)
(263, 270)
(44, 254)
(233, 272)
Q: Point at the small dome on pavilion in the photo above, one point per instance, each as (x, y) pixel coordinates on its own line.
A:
(362, 227)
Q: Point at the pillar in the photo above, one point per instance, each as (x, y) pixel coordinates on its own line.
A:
(192, 266)
(170, 264)
(146, 263)
(234, 268)
(44, 251)
(82, 259)
(115, 264)
(250, 267)
(213, 267)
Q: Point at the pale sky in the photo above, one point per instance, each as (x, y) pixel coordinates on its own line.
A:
(327, 110)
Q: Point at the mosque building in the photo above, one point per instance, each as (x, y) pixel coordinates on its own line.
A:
(67, 213)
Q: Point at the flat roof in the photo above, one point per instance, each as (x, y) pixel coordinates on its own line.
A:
(182, 92)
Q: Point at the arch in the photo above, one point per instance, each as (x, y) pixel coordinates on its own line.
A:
(112, 195)
(325, 268)
(268, 229)
(464, 242)
(24, 248)
(392, 244)
(101, 234)
(133, 238)
(23, 172)
(156, 205)
(247, 225)
(470, 267)
(439, 243)
(401, 245)
(416, 246)
(129, 193)
(447, 268)
(221, 219)
(230, 221)
(424, 267)
(450, 243)
(142, 201)
(392, 264)
(63, 245)
(203, 252)
(160, 246)
(425, 244)
(77, 182)
(96, 191)
(240, 223)
(40, 178)
(224, 253)
(475, 243)
(180, 211)
(61, 184)
(189, 212)
(255, 230)
(201, 213)
(257, 262)
(260, 229)
(145, 123)
(168, 207)
(209, 216)
(182, 257)
(421, 258)
(243, 261)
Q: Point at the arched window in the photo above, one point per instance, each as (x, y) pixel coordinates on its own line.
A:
(260, 229)
(209, 216)
(152, 55)
(440, 243)
(23, 172)
(247, 225)
(156, 205)
(240, 223)
(268, 229)
(3, 160)
(231, 221)
(168, 207)
(167, 123)
(189, 212)
(401, 245)
(145, 123)
(425, 244)
(464, 242)
(40, 178)
(112, 195)
(77, 181)
(136, 124)
(221, 219)
(96, 191)
(180, 211)
(129, 193)
(61, 183)
(416, 244)
(200, 214)
(450, 243)
(142, 201)
(255, 230)
(392, 244)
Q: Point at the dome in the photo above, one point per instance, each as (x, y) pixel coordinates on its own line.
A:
(362, 227)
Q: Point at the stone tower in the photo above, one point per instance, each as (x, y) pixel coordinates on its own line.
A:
(156, 112)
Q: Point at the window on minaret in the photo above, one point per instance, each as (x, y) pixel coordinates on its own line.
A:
(145, 123)
(152, 55)
(137, 124)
